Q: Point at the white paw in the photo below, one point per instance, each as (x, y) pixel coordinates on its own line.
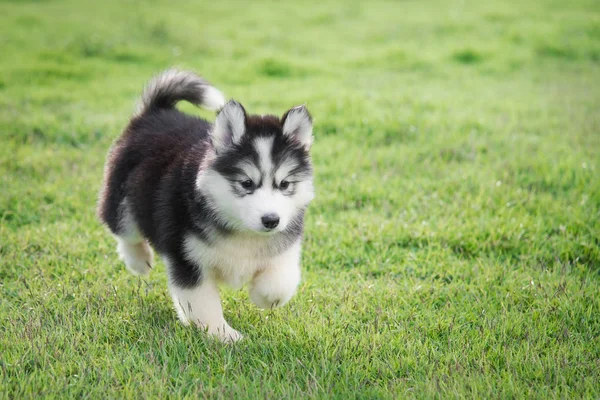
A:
(222, 332)
(273, 289)
(138, 257)
(269, 299)
(227, 334)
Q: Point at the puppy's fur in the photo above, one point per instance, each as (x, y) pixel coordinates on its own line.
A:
(219, 203)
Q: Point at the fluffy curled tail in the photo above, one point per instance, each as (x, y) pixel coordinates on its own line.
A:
(171, 86)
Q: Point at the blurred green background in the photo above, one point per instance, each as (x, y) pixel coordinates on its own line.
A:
(453, 249)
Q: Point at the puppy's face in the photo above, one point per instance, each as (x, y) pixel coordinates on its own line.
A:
(261, 180)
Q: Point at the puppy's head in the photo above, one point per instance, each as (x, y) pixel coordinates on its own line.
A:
(261, 177)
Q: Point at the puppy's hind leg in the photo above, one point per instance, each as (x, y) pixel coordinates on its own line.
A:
(133, 249)
(138, 257)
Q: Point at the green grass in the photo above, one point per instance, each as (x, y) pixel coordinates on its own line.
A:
(453, 249)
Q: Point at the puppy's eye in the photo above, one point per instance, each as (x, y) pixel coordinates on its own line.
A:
(247, 184)
(284, 185)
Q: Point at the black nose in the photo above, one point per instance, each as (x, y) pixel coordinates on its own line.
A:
(270, 221)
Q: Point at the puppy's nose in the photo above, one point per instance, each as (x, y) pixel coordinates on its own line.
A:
(270, 221)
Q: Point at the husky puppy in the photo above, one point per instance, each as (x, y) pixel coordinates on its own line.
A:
(220, 203)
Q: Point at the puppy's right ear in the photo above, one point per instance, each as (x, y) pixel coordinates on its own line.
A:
(230, 126)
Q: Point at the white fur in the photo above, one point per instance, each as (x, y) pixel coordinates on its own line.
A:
(267, 200)
(299, 124)
(284, 169)
(231, 122)
(201, 306)
(263, 147)
(251, 170)
(232, 260)
(127, 225)
(212, 184)
(275, 285)
(131, 246)
(137, 257)
(246, 258)
(212, 99)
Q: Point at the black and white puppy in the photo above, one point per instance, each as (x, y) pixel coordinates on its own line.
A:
(220, 203)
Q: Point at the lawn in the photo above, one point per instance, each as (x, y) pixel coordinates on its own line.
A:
(453, 248)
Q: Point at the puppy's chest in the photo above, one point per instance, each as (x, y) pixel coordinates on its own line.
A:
(233, 260)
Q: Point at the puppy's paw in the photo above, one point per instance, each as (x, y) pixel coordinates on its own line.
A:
(138, 257)
(225, 334)
(274, 287)
(230, 336)
(268, 298)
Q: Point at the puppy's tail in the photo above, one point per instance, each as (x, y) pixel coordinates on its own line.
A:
(173, 85)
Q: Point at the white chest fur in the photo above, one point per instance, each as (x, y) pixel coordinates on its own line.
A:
(233, 260)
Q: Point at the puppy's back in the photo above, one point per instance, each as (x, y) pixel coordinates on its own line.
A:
(157, 144)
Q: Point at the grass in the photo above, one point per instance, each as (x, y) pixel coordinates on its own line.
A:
(453, 249)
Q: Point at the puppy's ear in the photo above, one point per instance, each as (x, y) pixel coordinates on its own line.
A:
(297, 124)
(230, 125)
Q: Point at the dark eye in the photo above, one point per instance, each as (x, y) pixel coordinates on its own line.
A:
(247, 184)
(284, 185)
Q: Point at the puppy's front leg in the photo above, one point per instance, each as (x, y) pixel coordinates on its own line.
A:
(201, 305)
(275, 285)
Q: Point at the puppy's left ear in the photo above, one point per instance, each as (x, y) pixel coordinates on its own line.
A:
(297, 124)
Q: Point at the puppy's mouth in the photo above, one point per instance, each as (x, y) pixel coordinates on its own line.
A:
(263, 231)
(268, 231)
